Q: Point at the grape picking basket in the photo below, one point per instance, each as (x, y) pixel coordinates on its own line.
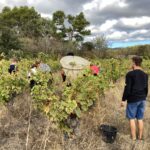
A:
(74, 65)
(108, 133)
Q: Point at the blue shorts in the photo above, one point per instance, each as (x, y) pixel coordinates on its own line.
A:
(135, 110)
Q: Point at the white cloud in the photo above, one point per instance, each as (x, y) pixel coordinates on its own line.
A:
(94, 29)
(91, 5)
(107, 3)
(89, 38)
(122, 4)
(140, 39)
(46, 15)
(31, 2)
(117, 35)
(3, 2)
(139, 32)
(107, 25)
(101, 4)
(119, 20)
(104, 28)
(136, 22)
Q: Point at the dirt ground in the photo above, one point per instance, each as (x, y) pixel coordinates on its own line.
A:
(24, 128)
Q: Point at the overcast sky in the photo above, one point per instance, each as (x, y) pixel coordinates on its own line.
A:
(124, 22)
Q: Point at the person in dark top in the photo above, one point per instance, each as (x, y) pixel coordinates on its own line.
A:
(13, 66)
(135, 92)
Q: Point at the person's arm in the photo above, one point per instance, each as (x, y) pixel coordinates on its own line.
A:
(16, 68)
(29, 75)
(127, 89)
(9, 69)
(146, 89)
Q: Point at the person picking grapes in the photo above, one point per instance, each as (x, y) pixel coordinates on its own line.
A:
(13, 66)
(94, 69)
(135, 93)
(33, 71)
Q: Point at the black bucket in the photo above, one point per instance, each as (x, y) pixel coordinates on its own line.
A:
(108, 133)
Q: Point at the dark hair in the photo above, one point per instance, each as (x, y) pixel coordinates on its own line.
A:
(137, 60)
(70, 54)
(36, 64)
(33, 66)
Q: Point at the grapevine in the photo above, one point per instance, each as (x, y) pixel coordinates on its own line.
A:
(55, 99)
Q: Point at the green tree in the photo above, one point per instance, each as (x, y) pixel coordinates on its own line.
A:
(6, 9)
(59, 27)
(25, 21)
(47, 27)
(71, 28)
(101, 45)
(77, 29)
(87, 46)
(9, 40)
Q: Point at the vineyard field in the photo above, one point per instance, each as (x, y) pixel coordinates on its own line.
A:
(57, 101)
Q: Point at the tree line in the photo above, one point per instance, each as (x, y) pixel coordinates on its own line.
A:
(21, 26)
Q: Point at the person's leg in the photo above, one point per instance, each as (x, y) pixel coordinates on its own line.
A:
(133, 128)
(140, 129)
(140, 116)
(32, 83)
(131, 111)
(64, 77)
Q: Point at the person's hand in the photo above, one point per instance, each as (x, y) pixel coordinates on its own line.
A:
(122, 104)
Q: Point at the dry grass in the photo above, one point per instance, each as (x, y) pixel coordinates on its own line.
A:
(16, 126)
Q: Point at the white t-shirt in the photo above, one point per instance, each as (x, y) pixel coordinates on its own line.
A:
(33, 71)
